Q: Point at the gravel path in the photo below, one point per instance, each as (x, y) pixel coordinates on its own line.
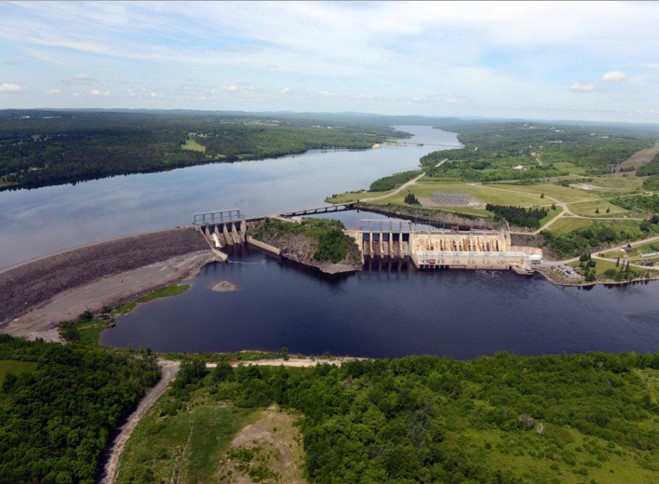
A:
(168, 371)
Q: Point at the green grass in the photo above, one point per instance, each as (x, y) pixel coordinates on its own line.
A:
(587, 209)
(192, 145)
(90, 331)
(482, 193)
(168, 291)
(558, 455)
(15, 367)
(570, 167)
(568, 224)
(560, 193)
(188, 444)
(551, 214)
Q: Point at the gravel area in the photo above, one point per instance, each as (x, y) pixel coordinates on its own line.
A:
(28, 285)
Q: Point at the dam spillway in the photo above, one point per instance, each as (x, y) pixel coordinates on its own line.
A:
(445, 249)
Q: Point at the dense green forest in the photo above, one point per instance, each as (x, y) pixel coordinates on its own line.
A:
(524, 217)
(390, 182)
(512, 151)
(507, 418)
(55, 420)
(40, 148)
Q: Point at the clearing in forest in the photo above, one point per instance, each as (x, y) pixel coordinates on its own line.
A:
(269, 450)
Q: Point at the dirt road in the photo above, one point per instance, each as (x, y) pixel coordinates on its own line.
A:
(168, 371)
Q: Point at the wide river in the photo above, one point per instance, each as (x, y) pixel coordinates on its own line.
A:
(382, 311)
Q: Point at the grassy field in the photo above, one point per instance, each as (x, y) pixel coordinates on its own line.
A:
(568, 224)
(587, 209)
(192, 145)
(570, 167)
(186, 446)
(478, 192)
(15, 367)
(168, 291)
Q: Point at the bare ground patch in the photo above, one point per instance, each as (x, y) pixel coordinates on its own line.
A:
(641, 158)
(269, 450)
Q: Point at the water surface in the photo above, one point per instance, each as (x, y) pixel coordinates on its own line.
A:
(391, 310)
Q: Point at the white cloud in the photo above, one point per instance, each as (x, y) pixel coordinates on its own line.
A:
(96, 92)
(582, 87)
(13, 62)
(54, 91)
(614, 77)
(285, 90)
(76, 94)
(9, 87)
(83, 78)
(326, 93)
(153, 94)
(651, 65)
(230, 88)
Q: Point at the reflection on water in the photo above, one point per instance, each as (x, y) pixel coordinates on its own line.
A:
(389, 310)
(41, 221)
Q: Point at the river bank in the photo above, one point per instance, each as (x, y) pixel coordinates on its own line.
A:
(40, 293)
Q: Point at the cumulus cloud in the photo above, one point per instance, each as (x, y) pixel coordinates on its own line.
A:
(13, 62)
(614, 77)
(9, 87)
(231, 88)
(54, 91)
(83, 78)
(285, 90)
(582, 87)
(96, 92)
(153, 94)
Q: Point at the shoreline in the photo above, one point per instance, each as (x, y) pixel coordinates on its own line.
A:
(40, 318)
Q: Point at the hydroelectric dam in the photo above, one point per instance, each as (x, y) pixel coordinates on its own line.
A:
(427, 248)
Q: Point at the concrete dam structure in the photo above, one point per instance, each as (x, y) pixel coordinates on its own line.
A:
(445, 249)
(427, 248)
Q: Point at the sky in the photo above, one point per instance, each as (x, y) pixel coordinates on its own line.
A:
(592, 61)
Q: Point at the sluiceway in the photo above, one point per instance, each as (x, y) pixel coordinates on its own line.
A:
(429, 248)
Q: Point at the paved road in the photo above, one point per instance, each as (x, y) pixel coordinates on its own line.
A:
(168, 371)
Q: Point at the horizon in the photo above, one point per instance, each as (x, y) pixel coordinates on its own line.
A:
(590, 62)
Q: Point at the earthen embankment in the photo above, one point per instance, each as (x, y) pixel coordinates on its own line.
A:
(35, 282)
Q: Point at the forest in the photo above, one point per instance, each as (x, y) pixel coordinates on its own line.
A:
(505, 418)
(524, 217)
(55, 421)
(517, 150)
(39, 148)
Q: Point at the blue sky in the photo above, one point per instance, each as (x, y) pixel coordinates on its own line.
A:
(564, 60)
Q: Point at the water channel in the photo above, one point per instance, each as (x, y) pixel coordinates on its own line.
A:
(385, 311)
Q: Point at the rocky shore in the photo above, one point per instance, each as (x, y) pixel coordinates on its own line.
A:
(34, 283)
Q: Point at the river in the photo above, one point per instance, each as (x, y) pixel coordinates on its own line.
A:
(41, 221)
(380, 312)
(389, 312)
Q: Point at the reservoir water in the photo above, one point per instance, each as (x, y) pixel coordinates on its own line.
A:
(42, 221)
(389, 311)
